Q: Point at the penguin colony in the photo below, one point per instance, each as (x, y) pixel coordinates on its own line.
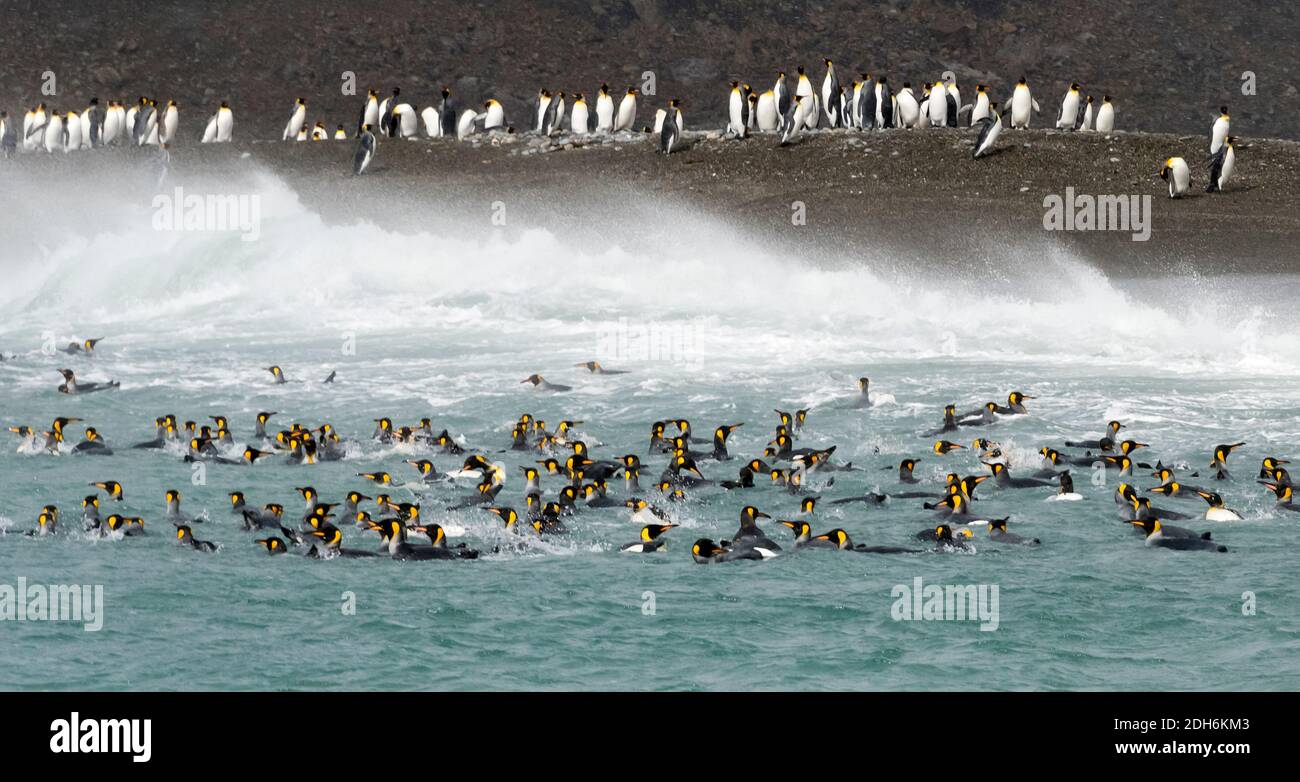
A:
(789, 108)
(651, 484)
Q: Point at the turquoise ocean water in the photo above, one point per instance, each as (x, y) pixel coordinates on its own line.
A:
(719, 331)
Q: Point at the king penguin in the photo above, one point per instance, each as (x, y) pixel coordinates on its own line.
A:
(365, 150)
(1179, 177)
(296, 119)
(1106, 115)
(1022, 105)
(1221, 165)
(1069, 108)
(1219, 130)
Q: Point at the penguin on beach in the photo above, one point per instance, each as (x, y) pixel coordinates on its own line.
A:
(365, 152)
(1179, 177)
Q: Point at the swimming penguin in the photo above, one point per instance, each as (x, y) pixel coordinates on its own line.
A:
(705, 552)
(174, 513)
(1220, 460)
(669, 133)
(863, 398)
(749, 534)
(1002, 478)
(1022, 103)
(1066, 491)
(720, 436)
(85, 347)
(1069, 108)
(1219, 130)
(332, 539)
(1157, 535)
(540, 383)
(366, 146)
(626, 111)
(650, 540)
(998, 533)
(1106, 116)
(185, 537)
(277, 374)
(47, 522)
(72, 387)
(1221, 165)
(273, 545)
(945, 447)
(1216, 511)
(297, 118)
(944, 539)
(1179, 177)
(990, 129)
(92, 444)
(840, 540)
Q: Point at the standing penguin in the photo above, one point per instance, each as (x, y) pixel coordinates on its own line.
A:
(736, 124)
(1221, 165)
(579, 123)
(71, 132)
(909, 109)
(1069, 108)
(954, 102)
(795, 117)
(1022, 103)
(803, 87)
(54, 132)
(1085, 116)
(114, 122)
(765, 112)
(604, 110)
(781, 93)
(831, 95)
(365, 153)
(990, 128)
(1219, 130)
(8, 139)
(369, 111)
(543, 106)
(1106, 115)
(626, 111)
(225, 123)
(447, 114)
(884, 103)
(169, 123)
(296, 120)
(938, 105)
(92, 122)
(669, 132)
(494, 116)
(1179, 177)
(980, 109)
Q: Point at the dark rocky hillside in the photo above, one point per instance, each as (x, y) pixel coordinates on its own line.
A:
(1168, 64)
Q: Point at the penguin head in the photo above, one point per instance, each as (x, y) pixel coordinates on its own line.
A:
(1149, 526)
(437, 536)
(1223, 112)
(808, 504)
(943, 533)
(750, 515)
(651, 531)
(837, 536)
(273, 545)
(183, 533)
(172, 496)
(998, 524)
(1211, 498)
(704, 549)
(800, 528)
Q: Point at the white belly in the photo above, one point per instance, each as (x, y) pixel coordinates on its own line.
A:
(578, 123)
(1105, 118)
(1021, 105)
(225, 125)
(604, 113)
(1221, 514)
(766, 111)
